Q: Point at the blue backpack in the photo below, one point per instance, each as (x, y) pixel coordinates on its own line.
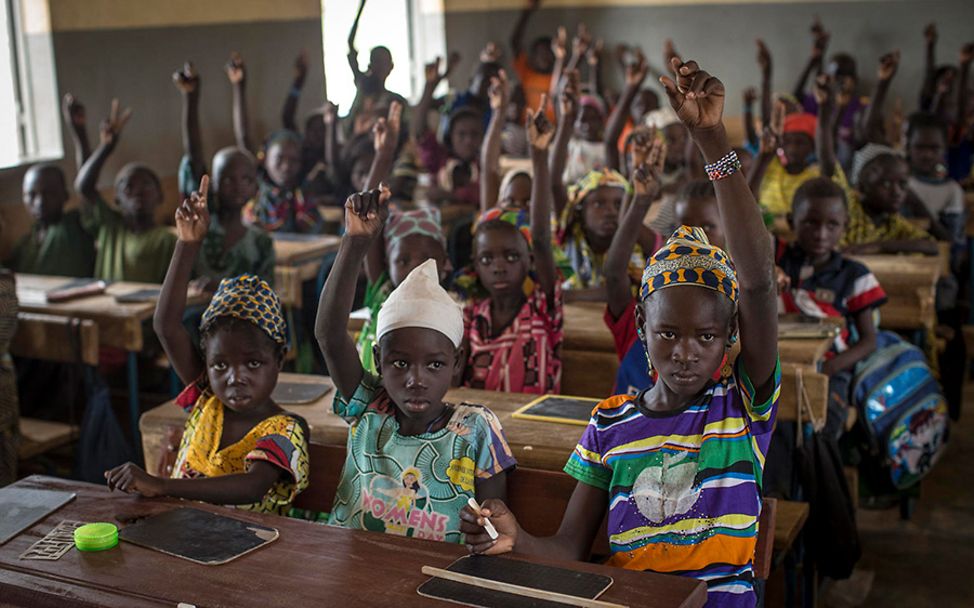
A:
(902, 409)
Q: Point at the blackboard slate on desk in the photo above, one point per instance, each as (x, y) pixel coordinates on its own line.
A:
(199, 536)
(141, 296)
(21, 508)
(525, 574)
(299, 393)
(559, 408)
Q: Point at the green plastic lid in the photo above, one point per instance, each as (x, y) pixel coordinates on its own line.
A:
(96, 537)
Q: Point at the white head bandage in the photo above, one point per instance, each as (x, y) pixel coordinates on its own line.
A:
(419, 301)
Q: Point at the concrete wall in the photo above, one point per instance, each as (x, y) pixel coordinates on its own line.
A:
(721, 34)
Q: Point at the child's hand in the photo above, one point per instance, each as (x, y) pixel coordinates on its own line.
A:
(649, 155)
(111, 127)
(329, 113)
(820, 39)
(385, 132)
(637, 70)
(235, 69)
(769, 143)
(750, 95)
(669, 51)
(559, 44)
(366, 212)
(132, 479)
(432, 69)
(540, 130)
(498, 93)
(824, 91)
(187, 80)
(782, 280)
(887, 65)
(569, 96)
(966, 54)
(193, 217)
(930, 34)
(697, 97)
(491, 53)
(477, 539)
(594, 54)
(73, 111)
(301, 68)
(582, 41)
(764, 56)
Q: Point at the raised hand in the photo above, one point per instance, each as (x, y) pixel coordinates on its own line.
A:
(582, 41)
(637, 70)
(385, 132)
(235, 69)
(888, 64)
(669, 51)
(491, 53)
(824, 90)
(649, 155)
(432, 73)
(764, 56)
(540, 130)
(559, 44)
(366, 212)
(820, 39)
(329, 113)
(930, 34)
(499, 92)
(301, 68)
(193, 216)
(696, 96)
(187, 80)
(749, 95)
(111, 127)
(594, 54)
(472, 526)
(73, 111)
(568, 103)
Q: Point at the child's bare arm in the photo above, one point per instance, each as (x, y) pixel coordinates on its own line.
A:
(192, 223)
(559, 47)
(765, 63)
(820, 41)
(540, 133)
(930, 65)
(329, 116)
(866, 344)
(749, 96)
(964, 73)
(498, 94)
(517, 34)
(698, 99)
(825, 131)
(433, 78)
(568, 104)
(365, 214)
(237, 73)
(594, 59)
(86, 183)
(873, 129)
(187, 81)
(352, 53)
(74, 115)
(385, 135)
(236, 489)
(291, 101)
(635, 75)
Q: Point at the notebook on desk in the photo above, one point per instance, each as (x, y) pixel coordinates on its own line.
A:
(73, 290)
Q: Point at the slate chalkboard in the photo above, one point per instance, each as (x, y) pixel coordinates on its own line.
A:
(559, 408)
(525, 574)
(299, 393)
(21, 508)
(199, 536)
(140, 296)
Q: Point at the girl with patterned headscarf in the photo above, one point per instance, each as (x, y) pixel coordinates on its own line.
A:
(239, 447)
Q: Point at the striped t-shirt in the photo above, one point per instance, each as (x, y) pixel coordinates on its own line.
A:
(684, 487)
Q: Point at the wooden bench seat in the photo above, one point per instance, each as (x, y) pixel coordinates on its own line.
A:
(41, 436)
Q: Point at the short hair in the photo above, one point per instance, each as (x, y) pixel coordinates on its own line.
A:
(697, 189)
(925, 120)
(42, 168)
(818, 187)
(845, 64)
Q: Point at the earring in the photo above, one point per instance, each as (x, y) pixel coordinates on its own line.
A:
(732, 340)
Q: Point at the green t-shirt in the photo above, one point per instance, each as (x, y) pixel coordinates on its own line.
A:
(375, 296)
(123, 255)
(252, 254)
(413, 485)
(64, 250)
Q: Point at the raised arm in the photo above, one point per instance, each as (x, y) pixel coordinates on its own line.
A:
(74, 116)
(559, 48)
(594, 59)
(433, 77)
(820, 42)
(929, 67)
(365, 214)
(766, 152)
(192, 224)
(187, 81)
(540, 134)
(498, 94)
(698, 99)
(825, 129)
(517, 34)
(385, 137)
(873, 129)
(963, 77)
(568, 104)
(765, 63)
(237, 73)
(329, 116)
(294, 93)
(352, 53)
(748, 97)
(635, 75)
(86, 183)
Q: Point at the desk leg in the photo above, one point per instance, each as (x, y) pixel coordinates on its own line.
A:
(133, 381)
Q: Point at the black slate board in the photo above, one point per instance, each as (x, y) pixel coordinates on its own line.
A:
(21, 508)
(140, 296)
(559, 408)
(199, 536)
(515, 572)
(299, 393)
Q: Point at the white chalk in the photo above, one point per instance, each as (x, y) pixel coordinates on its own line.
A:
(491, 530)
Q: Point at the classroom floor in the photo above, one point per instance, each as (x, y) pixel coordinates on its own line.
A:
(927, 561)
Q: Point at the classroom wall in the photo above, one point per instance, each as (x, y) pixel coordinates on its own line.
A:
(108, 48)
(721, 34)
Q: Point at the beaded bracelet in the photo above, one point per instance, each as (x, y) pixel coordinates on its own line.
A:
(725, 167)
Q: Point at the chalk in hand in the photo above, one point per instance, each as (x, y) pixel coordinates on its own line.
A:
(491, 530)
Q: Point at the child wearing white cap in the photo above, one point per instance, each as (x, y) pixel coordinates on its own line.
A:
(413, 460)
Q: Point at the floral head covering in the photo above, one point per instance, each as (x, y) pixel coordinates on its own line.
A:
(688, 258)
(424, 221)
(248, 298)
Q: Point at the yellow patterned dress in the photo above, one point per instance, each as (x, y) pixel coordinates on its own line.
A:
(279, 440)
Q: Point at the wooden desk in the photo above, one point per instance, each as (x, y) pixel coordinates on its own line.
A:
(910, 283)
(790, 519)
(297, 258)
(307, 565)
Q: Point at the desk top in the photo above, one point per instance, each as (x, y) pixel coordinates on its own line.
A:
(293, 249)
(31, 290)
(308, 564)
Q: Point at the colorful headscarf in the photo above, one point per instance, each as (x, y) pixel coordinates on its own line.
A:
(593, 102)
(800, 122)
(248, 298)
(688, 258)
(423, 220)
(585, 186)
(519, 218)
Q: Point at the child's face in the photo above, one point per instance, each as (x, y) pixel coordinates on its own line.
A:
(465, 138)
(501, 259)
(417, 366)
(589, 124)
(926, 151)
(797, 148)
(237, 183)
(819, 224)
(242, 366)
(884, 188)
(138, 195)
(645, 101)
(600, 211)
(517, 193)
(44, 194)
(701, 212)
(542, 58)
(283, 163)
(411, 251)
(686, 331)
(676, 143)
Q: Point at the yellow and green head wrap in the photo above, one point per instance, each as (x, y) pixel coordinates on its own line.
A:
(585, 186)
(248, 298)
(688, 258)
